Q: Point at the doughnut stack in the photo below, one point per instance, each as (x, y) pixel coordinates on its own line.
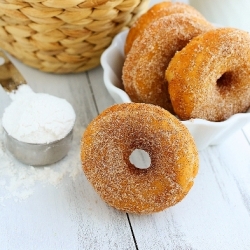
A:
(176, 59)
(178, 66)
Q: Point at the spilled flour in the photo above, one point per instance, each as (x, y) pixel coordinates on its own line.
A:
(17, 181)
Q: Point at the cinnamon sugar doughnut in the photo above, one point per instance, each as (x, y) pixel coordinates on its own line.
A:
(110, 139)
(155, 12)
(145, 65)
(210, 77)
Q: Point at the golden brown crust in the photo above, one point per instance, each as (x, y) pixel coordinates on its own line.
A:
(155, 12)
(144, 68)
(210, 77)
(110, 139)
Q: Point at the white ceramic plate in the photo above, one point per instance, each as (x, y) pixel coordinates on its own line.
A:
(205, 133)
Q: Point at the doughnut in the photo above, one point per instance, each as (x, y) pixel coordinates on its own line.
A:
(108, 142)
(210, 78)
(155, 12)
(143, 72)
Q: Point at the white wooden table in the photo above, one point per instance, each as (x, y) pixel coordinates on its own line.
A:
(56, 208)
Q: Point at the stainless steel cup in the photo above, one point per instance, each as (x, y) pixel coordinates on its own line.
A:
(38, 154)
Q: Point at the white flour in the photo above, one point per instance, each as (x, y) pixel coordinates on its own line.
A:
(37, 117)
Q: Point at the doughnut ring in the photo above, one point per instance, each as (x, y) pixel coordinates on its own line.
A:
(144, 68)
(212, 80)
(155, 12)
(108, 142)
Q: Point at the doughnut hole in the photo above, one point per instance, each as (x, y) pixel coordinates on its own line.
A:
(225, 82)
(139, 158)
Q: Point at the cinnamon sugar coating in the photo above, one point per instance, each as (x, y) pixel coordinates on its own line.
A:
(155, 12)
(210, 77)
(144, 68)
(110, 139)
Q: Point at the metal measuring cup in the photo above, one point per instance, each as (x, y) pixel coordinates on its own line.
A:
(29, 153)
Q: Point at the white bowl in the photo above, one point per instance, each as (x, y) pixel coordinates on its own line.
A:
(205, 133)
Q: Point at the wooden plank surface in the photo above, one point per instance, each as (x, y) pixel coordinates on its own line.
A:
(56, 208)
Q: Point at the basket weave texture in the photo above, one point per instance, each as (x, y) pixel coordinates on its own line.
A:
(64, 36)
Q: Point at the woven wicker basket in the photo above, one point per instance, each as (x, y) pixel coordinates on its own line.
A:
(63, 36)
